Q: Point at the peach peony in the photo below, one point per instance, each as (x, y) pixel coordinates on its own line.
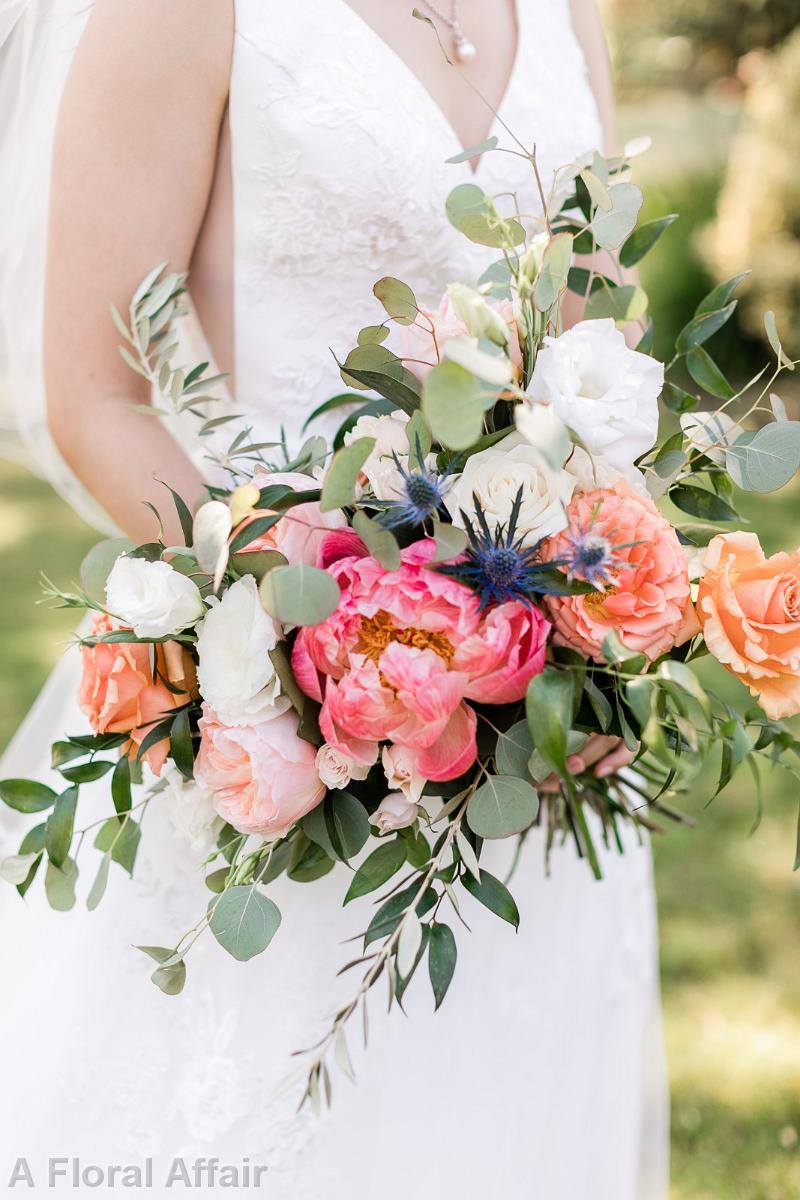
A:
(405, 650)
(649, 606)
(749, 610)
(263, 776)
(297, 535)
(120, 692)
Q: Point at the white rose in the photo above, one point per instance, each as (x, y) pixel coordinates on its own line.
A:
(394, 812)
(391, 438)
(400, 768)
(605, 392)
(495, 477)
(191, 812)
(479, 317)
(152, 598)
(237, 678)
(336, 768)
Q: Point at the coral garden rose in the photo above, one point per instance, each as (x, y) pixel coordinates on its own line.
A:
(120, 692)
(404, 652)
(649, 606)
(263, 776)
(749, 610)
(298, 534)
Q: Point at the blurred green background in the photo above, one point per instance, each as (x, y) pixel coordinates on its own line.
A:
(717, 85)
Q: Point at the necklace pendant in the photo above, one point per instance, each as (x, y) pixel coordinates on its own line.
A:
(465, 50)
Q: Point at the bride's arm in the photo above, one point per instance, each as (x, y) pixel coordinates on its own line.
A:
(133, 165)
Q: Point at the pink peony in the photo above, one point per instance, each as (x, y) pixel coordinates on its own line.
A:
(649, 605)
(296, 536)
(405, 650)
(418, 347)
(263, 776)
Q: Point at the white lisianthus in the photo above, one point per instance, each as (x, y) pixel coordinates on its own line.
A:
(15, 868)
(480, 318)
(391, 438)
(400, 768)
(394, 812)
(605, 392)
(152, 598)
(191, 812)
(336, 769)
(495, 476)
(237, 678)
(592, 471)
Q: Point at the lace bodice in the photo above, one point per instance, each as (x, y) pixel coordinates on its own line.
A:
(340, 177)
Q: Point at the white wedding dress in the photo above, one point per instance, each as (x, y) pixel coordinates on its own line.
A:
(542, 1076)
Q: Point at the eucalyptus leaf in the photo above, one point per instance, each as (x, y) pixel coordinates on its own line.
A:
(98, 888)
(453, 402)
(474, 151)
(96, 566)
(398, 300)
(552, 278)
(514, 748)
(502, 806)
(338, 490)
(299, 594)
(611, 228)
(767, 460)
(701, 328)
(244, 921)
(381, 542)
(705, 372)
(548, 706)
(622, 304)
(59, 884)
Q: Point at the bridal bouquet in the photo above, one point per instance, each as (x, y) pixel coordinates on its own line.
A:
(386, 651)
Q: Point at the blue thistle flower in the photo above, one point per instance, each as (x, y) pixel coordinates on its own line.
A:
(497, 565)
(591, 556)
(423, 496)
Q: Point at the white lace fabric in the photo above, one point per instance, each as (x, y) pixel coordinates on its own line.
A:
(542, 1075)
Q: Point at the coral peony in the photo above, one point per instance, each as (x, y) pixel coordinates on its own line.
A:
(263, 777)
(649, 605)
(120, 692)
(749, 610)
(405, 650)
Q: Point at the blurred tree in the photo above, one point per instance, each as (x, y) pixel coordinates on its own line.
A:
(693, 42)
(758, 222)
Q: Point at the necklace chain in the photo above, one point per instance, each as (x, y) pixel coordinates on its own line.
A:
(452, 21)
(465, 51)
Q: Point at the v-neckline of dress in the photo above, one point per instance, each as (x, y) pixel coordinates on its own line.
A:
(405, 67)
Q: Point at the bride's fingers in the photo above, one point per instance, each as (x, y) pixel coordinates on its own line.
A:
(615, 761)
(596, 748)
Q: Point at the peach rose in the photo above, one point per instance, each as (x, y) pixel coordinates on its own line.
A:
(749, 610)
(296, 536)
(649, 606)
(263, 776)
(121, 693)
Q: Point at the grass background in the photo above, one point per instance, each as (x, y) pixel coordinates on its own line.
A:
(729, 903)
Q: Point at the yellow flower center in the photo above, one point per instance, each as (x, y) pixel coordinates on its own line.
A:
(378, 632)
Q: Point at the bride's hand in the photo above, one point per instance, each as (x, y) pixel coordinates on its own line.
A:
(606, 754)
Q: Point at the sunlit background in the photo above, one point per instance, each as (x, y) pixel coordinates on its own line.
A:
(717, 85)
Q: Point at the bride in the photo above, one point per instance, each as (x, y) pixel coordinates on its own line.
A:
(288, 156)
